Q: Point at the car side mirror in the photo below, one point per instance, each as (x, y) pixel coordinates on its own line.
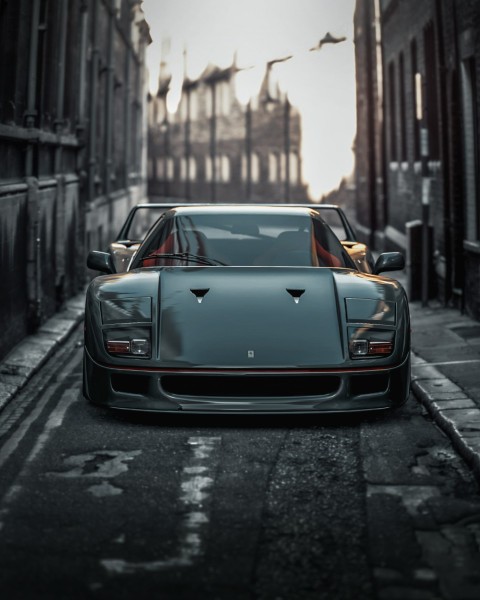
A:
(100, 261)
(389, 261)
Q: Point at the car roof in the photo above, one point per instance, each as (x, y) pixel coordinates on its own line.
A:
(246, 205)
(241, 209)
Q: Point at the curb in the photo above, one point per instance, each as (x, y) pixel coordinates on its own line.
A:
(451, 409)
(27, 357)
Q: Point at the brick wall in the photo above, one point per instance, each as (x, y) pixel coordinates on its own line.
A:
(435, 39)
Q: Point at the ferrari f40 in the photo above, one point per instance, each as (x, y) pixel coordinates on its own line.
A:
(245, 310)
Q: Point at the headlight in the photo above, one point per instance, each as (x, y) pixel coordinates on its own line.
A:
(128, 341)
(370, 342)
(126, 310)
(365, 310)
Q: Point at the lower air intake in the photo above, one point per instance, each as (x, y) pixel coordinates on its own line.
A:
(361, 385)
(130, 384)
(235, 386)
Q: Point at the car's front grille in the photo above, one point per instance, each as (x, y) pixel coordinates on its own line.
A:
(241, 386)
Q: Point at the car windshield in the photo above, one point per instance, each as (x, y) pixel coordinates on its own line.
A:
(143, 218)
(242, 239)
(332, 218)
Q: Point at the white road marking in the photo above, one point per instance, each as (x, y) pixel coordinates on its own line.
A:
(55, 420)
(14, 440)
(104, 489)
(446, 363)
(108, 464)
(197, 481)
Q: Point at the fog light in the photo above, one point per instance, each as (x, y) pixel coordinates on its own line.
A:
(359, 347)
(140, 347)
(118, 346)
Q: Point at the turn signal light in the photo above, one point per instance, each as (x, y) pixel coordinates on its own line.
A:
(380, 347)
(118, 347)
(364, 347)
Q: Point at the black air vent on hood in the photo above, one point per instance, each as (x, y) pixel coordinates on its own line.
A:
(296, 294)
(200, 293)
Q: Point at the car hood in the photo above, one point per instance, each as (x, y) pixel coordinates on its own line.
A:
(249, 317)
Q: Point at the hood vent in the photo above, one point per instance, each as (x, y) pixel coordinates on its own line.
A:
(200, 294)
(296, 294)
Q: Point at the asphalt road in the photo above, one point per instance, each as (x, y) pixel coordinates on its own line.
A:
(97, 504)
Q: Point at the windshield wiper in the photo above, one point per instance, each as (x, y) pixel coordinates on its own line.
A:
(188, 256)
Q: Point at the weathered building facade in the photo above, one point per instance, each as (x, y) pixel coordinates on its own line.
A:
(418, 103)
(72, 158)
(214, 149)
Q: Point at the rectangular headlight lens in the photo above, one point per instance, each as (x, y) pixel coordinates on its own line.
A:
(359, 347)
(140, 347)
(126, 310)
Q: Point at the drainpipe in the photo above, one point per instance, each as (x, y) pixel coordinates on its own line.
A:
(213, 144)
(248, 148)
(188, 149)
(58, 123)
(127, 124)
(109, 111)
(31, 112)
(92, 135)
(81, 159)
(287, 150)
(60, 240)
(33, 283)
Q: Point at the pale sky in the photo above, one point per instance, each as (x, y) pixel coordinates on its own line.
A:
(320, 84)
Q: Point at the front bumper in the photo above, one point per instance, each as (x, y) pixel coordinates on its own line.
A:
(240, 391)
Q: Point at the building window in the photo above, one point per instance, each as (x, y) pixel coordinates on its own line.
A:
(283, 167)
(183, 169)
(272, 167)
(170, 169)
(192, 170)
(209, 101)
(470, 127)
(294, 170)
(431, 93)
(416, 100)
(223, 168)
(223, 98)
(403, 110)
(243, 168)
(255, 167)
(393, 112)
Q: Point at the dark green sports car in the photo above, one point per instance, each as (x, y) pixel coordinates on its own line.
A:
(245, 309)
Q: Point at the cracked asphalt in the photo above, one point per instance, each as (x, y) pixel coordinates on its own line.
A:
(96, 504)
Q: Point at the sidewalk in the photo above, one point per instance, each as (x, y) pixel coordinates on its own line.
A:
(445, 366)
(30, 354)
(446, 372)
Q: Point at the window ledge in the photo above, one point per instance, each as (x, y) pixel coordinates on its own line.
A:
(473, 247)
